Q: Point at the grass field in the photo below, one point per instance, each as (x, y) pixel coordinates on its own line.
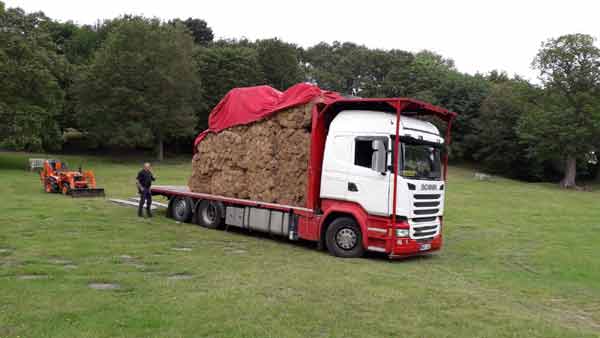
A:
(520, 260)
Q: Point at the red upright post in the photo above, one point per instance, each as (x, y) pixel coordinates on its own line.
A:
(449, 127)
(396, 152)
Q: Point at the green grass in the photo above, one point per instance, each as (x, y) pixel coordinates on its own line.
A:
(519, 260)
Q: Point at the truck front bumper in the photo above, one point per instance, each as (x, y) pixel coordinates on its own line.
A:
(382, 238)
(405, 247)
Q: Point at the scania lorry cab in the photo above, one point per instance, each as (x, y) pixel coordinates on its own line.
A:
(358, 168)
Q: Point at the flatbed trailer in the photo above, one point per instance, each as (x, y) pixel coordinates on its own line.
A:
(350, 223)
(181, 200)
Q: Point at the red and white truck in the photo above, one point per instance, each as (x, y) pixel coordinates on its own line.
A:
(376, 181)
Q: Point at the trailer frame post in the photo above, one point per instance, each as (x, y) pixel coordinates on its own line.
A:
(396, 151)
(447, 144)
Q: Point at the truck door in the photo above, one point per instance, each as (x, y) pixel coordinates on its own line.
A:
(336, 163)
(366, 186)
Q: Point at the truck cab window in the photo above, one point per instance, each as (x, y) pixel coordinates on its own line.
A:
(363, 152)
(420, 160)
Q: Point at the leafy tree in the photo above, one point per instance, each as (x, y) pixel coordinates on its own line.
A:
(77, 43)
(339, 66)
(496, 77)
(78, 47)
(243, 42)
(141, 87)
(222, 68)
(429, 72)
(202, 33)
(30, 74)
(500, 149)
(279, 63)
(569, 123)
(388, 74)
(464, 94)
(356, 70)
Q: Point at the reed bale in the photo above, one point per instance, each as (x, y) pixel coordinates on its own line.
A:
(228, 183)
(295, 117)
(265, 161)
(261, 185)
(293, 149)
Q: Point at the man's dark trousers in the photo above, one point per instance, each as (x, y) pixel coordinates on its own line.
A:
(145, 196)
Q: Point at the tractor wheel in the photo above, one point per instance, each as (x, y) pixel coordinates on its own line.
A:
(66, 190)
(50, 186)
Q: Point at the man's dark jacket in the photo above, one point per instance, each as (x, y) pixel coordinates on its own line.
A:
(145, 178)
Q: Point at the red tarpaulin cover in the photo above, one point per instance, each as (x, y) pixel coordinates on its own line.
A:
(249, 104)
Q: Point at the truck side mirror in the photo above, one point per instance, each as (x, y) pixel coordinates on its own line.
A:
(379, 157)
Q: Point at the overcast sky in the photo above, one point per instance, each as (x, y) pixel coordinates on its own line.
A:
(478, 35)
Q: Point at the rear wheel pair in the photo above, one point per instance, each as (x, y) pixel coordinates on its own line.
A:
(209, 214)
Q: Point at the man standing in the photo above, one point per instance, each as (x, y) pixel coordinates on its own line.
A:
(143, 182)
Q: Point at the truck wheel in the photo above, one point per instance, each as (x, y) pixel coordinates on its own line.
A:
(344, 238)
(181, 209)
(209, 214)
(65, 189)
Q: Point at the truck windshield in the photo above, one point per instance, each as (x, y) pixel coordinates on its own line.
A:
(419, 160)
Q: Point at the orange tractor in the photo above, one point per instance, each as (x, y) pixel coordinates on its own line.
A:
(56, 177)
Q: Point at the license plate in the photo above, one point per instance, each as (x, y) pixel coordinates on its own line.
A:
(425, 246)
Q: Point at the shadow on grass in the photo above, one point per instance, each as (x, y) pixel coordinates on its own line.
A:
(301, 244)
(313, 246)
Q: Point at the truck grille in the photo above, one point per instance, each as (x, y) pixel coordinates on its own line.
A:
(424, 228)
(426, 211)
(426, 204)
(424, 220)
(427, 196)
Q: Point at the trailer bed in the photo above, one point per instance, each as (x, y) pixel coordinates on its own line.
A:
(180, 190)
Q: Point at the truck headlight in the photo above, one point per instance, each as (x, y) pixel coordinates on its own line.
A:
(402, 232)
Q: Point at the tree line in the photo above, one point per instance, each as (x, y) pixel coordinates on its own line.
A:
(134, 82)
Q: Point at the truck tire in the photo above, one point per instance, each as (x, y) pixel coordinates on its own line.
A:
(209, 214)
(181, 209)
(344, 238)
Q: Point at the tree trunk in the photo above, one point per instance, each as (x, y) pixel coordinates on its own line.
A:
(160, 148)
(568, 180)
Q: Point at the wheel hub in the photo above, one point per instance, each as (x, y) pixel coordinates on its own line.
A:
(346, 238)
(180, 207)
(209, 214)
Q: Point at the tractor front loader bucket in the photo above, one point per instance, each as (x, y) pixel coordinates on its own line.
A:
(87, 192)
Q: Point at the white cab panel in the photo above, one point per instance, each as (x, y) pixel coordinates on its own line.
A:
(341, 175)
